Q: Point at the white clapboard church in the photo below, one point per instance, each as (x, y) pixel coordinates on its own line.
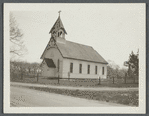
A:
(66, 59)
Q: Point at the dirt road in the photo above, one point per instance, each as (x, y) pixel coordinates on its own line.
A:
(24, 97)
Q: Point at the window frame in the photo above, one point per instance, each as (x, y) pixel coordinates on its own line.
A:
(71, 67)
(80, 68)
(96, 69)
(103, 70)
(88, 69)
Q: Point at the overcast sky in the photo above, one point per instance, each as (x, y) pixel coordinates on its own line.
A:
(113, 30)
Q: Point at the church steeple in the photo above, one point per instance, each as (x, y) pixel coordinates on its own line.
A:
(58, 29)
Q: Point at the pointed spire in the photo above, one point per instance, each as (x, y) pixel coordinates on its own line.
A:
(58, 25)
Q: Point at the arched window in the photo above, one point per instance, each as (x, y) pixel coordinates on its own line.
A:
(61, 35)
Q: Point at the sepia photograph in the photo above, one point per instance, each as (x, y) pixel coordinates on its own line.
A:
(74, 58)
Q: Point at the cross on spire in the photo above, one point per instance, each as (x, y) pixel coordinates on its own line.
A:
(58, 25)
(59, 12)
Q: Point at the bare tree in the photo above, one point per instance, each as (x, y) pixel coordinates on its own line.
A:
(17, 47)
(112, 73)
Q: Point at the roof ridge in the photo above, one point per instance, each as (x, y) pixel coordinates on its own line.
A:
(78, 43)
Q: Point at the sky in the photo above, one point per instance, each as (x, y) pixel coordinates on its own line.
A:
(113, 30)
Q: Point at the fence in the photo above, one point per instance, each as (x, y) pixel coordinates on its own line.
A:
(38, 78)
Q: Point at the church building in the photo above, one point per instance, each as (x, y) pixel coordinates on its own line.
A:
(66, 59)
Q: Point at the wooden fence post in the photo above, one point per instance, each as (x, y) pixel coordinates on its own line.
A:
(21, 75)
(58, 77)
(37, 77)
(113, 79)
(99, 80)
(125, 77)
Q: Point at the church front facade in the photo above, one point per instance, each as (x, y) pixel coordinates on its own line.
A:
(66, 59)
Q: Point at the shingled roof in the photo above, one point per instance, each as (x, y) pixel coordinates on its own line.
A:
(58, 25)
(77, 51)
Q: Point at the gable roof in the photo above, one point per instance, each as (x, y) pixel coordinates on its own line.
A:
(77, 51)
(58, 25)
(48, 45)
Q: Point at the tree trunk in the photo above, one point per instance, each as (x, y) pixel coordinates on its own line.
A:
(21, 76)
(113, 80)
(134, 79)
(125, 78)
(99, 81)
(37, 77)
(58, 78)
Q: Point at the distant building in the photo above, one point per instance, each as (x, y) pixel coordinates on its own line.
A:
(64, 59)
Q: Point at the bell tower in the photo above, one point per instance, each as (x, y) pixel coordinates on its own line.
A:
(58, 31)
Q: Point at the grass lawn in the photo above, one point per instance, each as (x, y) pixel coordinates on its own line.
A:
(121, 97)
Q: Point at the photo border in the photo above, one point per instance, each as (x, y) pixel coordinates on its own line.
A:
(6, 68)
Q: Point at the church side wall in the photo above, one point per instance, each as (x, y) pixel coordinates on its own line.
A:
(84, 74)
(54, 54)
